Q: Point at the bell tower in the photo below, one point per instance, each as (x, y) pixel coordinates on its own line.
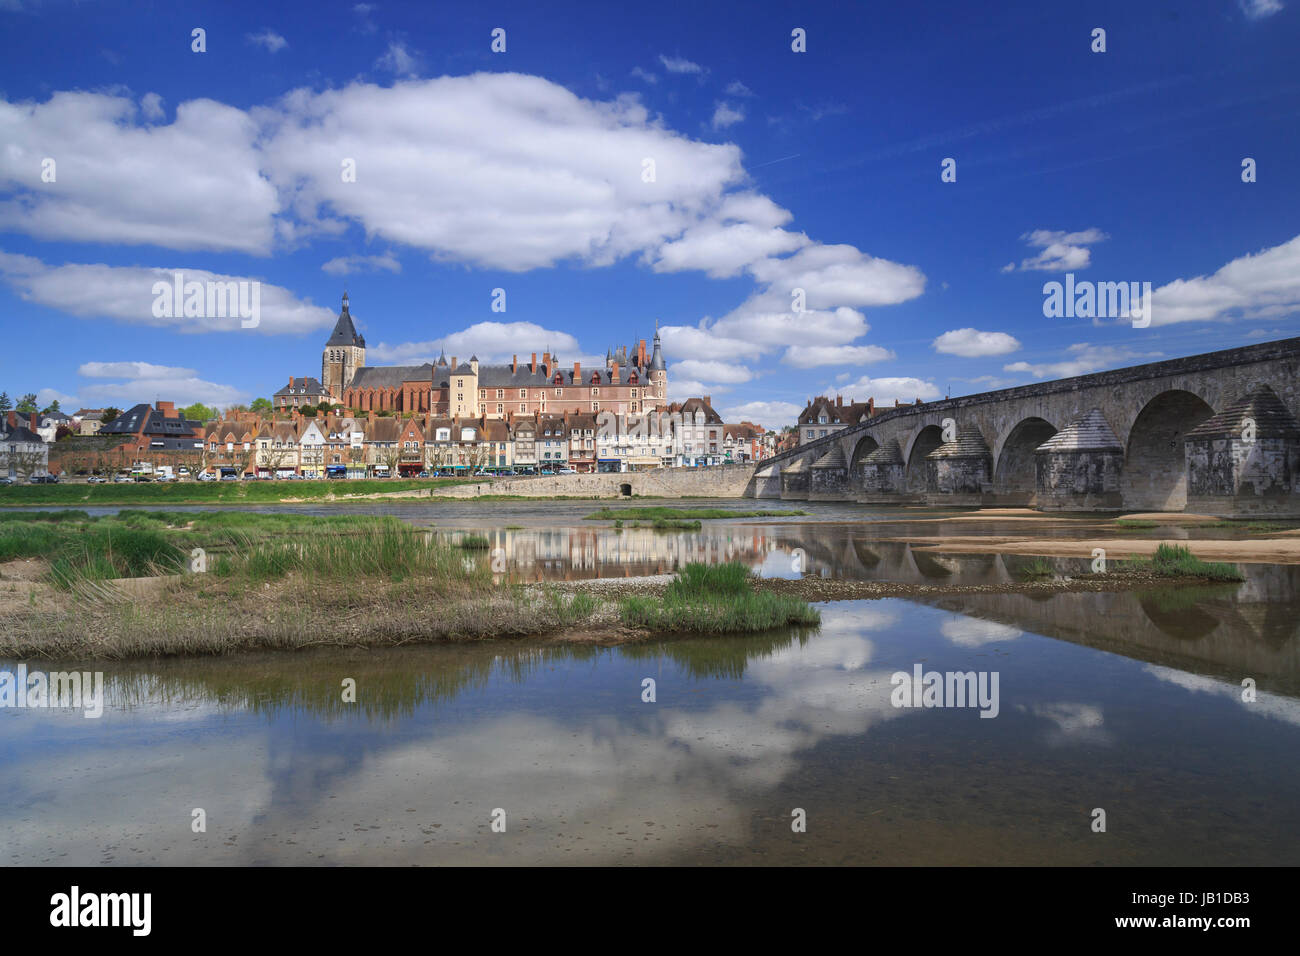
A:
(658, 371)
(344, 353)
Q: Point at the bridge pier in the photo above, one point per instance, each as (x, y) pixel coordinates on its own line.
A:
(1245, 459)
(960, 472)
(829, 477)
(1078, 468)
(795, 479)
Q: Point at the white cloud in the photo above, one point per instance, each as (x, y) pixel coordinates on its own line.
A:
(767, 414)
(195, 183)
(973, 632)
(148, 382)
(737, 88)
(811, 356)
(675, 64)
(779, 329)
(151, 107)
(710, 371)
(724, 115)
(566, 184)
(686, 340)
(48, 396)
(398, 60)
(492, 342)
(1259, 9)
(347, 265)
(1059, 251)
(644, 75)
(125, 293)
(1263, 285)
(681, 389)
(1085, 358)
(890, 389)
(971, 343)
(268, 39)
(133, 370)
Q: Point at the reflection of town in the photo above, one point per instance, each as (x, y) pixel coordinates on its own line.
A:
(1247, 629)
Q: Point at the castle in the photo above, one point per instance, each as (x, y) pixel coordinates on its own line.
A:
(632, 382)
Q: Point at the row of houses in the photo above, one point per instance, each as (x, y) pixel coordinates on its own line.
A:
(338, 444)
(333, 445)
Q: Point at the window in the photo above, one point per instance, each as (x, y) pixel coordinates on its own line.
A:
(559, 392)
(523, 406)
(595, 392)
(523, 393)
(500, 407)
(501, 393)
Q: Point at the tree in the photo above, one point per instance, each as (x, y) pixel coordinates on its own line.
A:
(6, 403)
(52, 408)
(109, 414)
(199, 412)
(262, 406)
(27, 403)
(324, 406)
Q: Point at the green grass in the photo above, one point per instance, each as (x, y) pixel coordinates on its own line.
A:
(692, 514)
(715, 599)
(1176, 561)
(1037, 569)
(474, 542)
(208, 492)
(662, 524)
(1256, 527)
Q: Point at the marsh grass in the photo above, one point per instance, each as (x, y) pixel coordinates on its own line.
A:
(689, 514)
(715, 599)
(1176, 561)
(1036, 570)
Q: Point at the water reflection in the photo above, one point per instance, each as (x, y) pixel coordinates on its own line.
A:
(742, 731)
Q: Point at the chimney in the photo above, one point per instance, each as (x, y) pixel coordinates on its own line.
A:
(640, 354)
(577, 373)
(514, 365)
(532, 366)
(871, 406)
(613, 374)
(168, 409)
(454, 363)
(839, 401)
(708, 399)
(546, 358)
(291, 381)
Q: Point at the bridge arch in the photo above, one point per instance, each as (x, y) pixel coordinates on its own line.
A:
(1155, 460)
(1014, 471)
(864, 447)
(926, 440)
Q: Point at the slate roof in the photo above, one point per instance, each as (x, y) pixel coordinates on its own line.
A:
(1091, 432)
(307, 384)
(146, 420)
(968, 444)
(833, 458)
(1272, 418)
(345, 333)
(390, 376)
(887, 454)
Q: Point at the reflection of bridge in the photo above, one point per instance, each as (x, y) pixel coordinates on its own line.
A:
(1214, 433)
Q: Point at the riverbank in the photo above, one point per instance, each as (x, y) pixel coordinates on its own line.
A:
(157, 584)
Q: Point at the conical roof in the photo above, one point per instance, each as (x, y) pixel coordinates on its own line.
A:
(345, 333)
(887, 454)
(657, 356)
(969, 443)
(1262, 406)
(832, 459)
(1091, 432)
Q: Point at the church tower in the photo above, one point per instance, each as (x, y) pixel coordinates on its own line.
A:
(658, 372)
(344, 353)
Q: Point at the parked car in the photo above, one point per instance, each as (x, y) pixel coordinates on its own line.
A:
(423, 474)
(567, 471)
(123, 479)
(95, 480)
(229, 478)
(42, 479)
(6, 480)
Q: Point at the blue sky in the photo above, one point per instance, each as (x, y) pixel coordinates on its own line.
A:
(524, 170)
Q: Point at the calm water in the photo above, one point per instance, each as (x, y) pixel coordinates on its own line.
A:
(1127, 702)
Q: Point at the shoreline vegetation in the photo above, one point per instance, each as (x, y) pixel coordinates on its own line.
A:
(73, 586)
(128, 586)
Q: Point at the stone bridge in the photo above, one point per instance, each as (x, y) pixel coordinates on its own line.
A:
(1214, 433)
